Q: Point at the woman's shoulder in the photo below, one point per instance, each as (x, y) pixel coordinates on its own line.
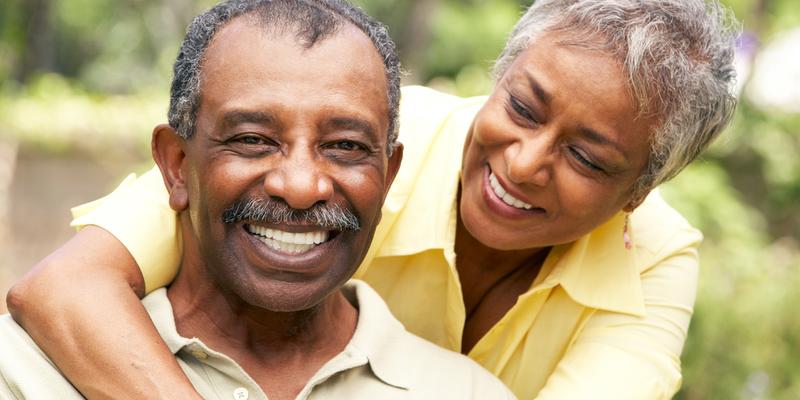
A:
(426, 113)
(659, 231)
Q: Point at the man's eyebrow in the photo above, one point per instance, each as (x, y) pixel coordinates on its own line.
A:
(603, 140)
(354, 124)
(538, 90)
(233, 118)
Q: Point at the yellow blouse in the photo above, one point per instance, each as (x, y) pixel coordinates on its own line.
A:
(599, 322)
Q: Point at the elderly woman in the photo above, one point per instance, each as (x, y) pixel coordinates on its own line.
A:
(540, 250)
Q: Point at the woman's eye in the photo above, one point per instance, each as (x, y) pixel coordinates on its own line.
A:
(521, 110)
(583, 160)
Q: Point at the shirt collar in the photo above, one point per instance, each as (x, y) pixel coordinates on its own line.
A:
(160, 309)
(598, 271)
(379, 336)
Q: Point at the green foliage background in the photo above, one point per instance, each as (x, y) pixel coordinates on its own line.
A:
(92, 77)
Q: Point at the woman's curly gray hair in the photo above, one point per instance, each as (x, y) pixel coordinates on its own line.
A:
(677, 54)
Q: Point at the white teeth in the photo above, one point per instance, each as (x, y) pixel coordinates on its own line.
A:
(289, 242)
(505, 196)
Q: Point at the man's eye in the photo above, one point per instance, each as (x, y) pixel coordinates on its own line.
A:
(251, 145)
(250, 140)
(347, 145)
(347, 150)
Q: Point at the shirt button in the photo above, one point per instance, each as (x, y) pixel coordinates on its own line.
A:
(240, 394)
(198, 353)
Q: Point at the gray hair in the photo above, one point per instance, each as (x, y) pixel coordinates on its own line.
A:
(311, 21)
(677, 54)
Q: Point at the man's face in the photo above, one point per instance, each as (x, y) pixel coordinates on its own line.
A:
(303, 128)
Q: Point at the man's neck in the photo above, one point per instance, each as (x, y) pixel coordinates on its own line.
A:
(280, 350)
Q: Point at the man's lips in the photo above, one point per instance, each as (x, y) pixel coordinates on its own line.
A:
(289, 242)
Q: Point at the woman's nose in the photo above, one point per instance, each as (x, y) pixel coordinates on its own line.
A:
(529, 161)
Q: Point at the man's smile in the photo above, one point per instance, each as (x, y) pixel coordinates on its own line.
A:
(288, 242)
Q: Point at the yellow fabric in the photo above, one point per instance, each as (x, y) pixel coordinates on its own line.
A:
(381, 361)
(138, 214)
(599, 321)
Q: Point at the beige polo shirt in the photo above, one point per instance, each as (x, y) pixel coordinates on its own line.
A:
(382, 361)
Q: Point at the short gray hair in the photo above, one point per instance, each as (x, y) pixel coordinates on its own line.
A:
(677, 54)
(311, 21)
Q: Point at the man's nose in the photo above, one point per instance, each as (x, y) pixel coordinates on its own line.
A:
(530, 161)
(301, 180)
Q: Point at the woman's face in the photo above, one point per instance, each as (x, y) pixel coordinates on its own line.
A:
(555, 150)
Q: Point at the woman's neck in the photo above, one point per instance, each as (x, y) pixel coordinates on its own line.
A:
(491, 280)
(485, 265)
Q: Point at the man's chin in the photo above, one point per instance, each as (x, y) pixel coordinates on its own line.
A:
(284, 296)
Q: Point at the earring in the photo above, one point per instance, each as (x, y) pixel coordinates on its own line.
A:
(626, 236)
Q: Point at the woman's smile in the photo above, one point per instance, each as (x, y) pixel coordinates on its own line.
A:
(500, 200)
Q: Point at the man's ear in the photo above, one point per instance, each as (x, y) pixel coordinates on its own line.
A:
(168, 152)
(394, 165)
(635, 201)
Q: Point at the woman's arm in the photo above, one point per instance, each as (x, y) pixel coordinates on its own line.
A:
(81, 306)
(619, 356)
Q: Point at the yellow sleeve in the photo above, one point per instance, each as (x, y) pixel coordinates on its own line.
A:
(619, 356)
(137, 213)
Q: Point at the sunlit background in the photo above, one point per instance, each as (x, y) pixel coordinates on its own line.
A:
(82, 83)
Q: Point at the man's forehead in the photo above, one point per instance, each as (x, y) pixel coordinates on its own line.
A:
(244, 62)
(249, 28)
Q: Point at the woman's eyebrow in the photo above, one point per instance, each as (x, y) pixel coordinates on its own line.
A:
(538, 90)
(601, 139)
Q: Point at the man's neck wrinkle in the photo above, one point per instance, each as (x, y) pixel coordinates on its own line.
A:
(224, 322)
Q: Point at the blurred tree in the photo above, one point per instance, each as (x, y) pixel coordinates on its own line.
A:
(99, 70)
(39, 47)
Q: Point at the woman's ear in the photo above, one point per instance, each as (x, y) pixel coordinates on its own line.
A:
(635, 201)
(168, 152)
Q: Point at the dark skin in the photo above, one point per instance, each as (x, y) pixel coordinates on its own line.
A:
(277, 121)
(571, 146)
(562, 135)
(490, 292)
(280, 350)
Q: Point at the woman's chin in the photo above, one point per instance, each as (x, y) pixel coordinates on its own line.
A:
(494, 236)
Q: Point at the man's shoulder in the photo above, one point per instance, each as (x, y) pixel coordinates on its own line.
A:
(406, 360)
(25, 371)
(14, 341)
(455, 376)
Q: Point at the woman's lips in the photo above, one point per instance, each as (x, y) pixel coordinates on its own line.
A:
(505, 196)
(502, 202)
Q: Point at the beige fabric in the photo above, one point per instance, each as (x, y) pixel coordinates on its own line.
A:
(382, 361)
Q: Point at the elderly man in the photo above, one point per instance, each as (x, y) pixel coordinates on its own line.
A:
(278, 159)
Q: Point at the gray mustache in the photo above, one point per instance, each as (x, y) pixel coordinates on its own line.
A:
(270, 211)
